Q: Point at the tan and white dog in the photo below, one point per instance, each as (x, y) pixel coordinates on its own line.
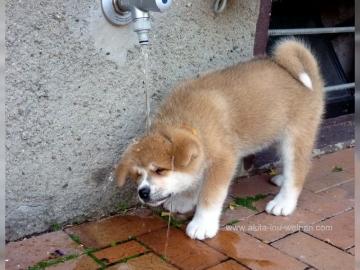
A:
(206, 125)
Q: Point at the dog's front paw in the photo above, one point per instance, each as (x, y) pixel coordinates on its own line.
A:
(202, 228)
(282, 205)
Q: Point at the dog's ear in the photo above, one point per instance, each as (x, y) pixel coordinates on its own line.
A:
(186, 150)
(184, 147)
(123, 170)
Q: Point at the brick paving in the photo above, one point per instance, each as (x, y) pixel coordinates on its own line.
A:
(351, 251)
(322, 176)
(83, 262)
(268, 228)
(118, 252)
(228, 265)
(319, 235)
(343, 223)
(314, 252)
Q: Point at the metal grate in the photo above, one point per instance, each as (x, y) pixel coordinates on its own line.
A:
(321, 27)
(311, 31)
(317, 31)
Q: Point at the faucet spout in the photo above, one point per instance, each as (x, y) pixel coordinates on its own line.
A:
(141, 21)
(121, 12)
(146, 5)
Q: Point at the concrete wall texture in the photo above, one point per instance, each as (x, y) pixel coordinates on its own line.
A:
(75, 97)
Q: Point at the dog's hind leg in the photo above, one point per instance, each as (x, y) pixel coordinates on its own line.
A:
(279, 179)
(296, 155)
(205, 222)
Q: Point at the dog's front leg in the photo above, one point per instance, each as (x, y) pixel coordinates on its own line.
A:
(205, 223)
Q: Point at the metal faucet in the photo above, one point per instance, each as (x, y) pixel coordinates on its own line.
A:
(122, 12)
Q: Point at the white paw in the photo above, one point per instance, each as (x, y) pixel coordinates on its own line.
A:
(283, 204)
(202, 228)
(278, 180)
(180, 205)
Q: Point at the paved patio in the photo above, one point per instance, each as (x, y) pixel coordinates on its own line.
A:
(319, 235)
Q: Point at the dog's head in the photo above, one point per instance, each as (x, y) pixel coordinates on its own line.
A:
(163, 163)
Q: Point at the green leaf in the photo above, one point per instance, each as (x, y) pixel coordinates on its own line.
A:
(75, 238)
(337, 169)
(233, 222)
(246, 202)
(123, 207)
(55, 227)
(47, 263)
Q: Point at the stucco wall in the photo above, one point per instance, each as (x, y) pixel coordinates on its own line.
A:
(75, 97)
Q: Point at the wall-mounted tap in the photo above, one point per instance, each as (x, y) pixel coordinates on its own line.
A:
(121, 12)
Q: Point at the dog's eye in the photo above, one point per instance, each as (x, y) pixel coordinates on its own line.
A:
(160, 171)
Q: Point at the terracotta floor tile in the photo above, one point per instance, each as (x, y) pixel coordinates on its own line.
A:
(253, 253)
(228, 265)
(269, 228)
(341, 192)
(83, 262)
(251, 186)
(238, 214)
(242, 213)
(261, 204)
(322, 205)
(119, 252)
(315, 252)
(244, 187)
(28, 252)
(338, 230)
(351, 251)
(182, 251)
(114, 229)
(321, 175)
(145, 262)
(143, 212)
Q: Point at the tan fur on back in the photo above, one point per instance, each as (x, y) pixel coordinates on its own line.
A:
(242, 107)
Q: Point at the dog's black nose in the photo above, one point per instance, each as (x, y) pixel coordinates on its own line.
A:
(144, 193)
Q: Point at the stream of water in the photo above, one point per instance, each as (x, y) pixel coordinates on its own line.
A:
(168, 230)
(145, 68)
(147, 95)
(146, 85)
(169, 217)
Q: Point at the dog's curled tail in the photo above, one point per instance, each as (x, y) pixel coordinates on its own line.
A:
(297, 59)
